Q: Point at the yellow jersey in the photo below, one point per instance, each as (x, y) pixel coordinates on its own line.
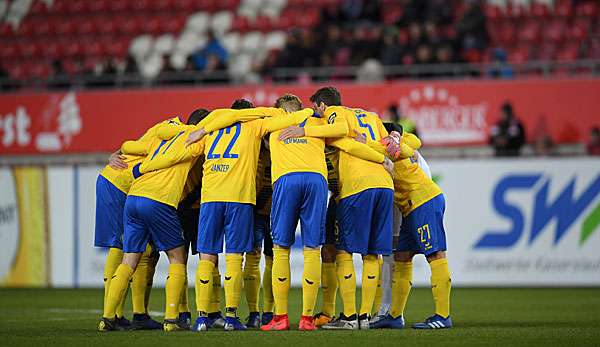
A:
(165, 168)
(232, 156)
(412, 186)
(303, 154)
(122, 179)
(264, 188)
(356, 174)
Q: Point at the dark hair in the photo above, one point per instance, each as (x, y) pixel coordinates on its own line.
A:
(196, 116)
(389, 126)
(241, 104)
(327, 95)
(508, 108)
(289, 102)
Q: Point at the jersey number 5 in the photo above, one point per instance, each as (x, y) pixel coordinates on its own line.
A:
(227, 153)
(359, 117)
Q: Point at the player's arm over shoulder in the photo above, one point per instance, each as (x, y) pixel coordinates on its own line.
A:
(224, 117)
(357, 149)
(172, 156)
(277, 123)
(337, 124)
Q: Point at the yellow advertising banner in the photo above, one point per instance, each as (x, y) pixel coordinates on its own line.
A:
(24, 227)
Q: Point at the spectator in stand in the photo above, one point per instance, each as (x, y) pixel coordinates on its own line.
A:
(213, 48)
(501, 68)
(593, 147)
(408, 125)
(471, 28)
(508, 135)
(391, 52)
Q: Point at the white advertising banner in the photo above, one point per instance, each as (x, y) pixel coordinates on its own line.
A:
(509, 222)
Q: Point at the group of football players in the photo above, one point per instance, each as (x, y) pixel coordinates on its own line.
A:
(239, 181)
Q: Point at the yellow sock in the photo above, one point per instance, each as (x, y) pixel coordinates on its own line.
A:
(139, 283)
(370, 278)
(379, 292)
(268, 301)
(401, 284)
(281, 279)
(173, 289)
(204, 285)
(233, 283)
(150, 278)
(329, 285)
(117, 290)
(113, 259)
(346, 282)
(184, 302)
(311, 279)
(215, 298)
(440, 286)
(252, 280)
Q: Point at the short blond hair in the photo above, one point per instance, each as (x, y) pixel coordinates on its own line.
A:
(289, 102)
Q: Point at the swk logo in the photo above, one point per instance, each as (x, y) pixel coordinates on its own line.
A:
(565, 209)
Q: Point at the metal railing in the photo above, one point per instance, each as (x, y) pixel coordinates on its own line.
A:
(543, 69)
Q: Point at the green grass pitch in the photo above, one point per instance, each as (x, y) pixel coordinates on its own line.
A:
(494, 316)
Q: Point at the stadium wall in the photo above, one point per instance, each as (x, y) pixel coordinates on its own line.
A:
(446, 112)
(510, 222)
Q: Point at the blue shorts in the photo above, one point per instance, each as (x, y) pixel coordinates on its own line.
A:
(422, 230)
(365, 221)
(147, 220)
(299, 196)
(262, 234)
(231, 220)
(110, 203)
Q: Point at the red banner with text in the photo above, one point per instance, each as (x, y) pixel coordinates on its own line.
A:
(445, 112)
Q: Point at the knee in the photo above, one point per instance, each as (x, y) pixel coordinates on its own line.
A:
(213, 258)
(436, 256)
(177, 255)
(328, 253)
(403, 257)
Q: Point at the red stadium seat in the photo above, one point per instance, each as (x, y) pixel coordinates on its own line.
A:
(530, 32)
(392, 14)
(546, 51)
(555, 31)
(77, 6)
(107, 27)
(519, 54)
(563, 10)
(172, 24)
(240, 24)
(262, 23)
(579, 30)
(206, 5)
(39, 70)
(6, 30)
(86, 26)
(65, 27)
(516, 11)
(539, 10)
(60, 7)
(26, 29)
(29, 49)
(51, 50)
(129, 25)
(151, 25)
(506, 34)
(230, 5)
(118, 6)
(587, 9)
(38, 8)
(9, 51)
(98, 6)
(117, 48)
(184, 5)
(17, 71)
(93, 48)
(162, 5)
(569, 52)
(72, 66)
(72, 48)
(141, 5)
(493, 12)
